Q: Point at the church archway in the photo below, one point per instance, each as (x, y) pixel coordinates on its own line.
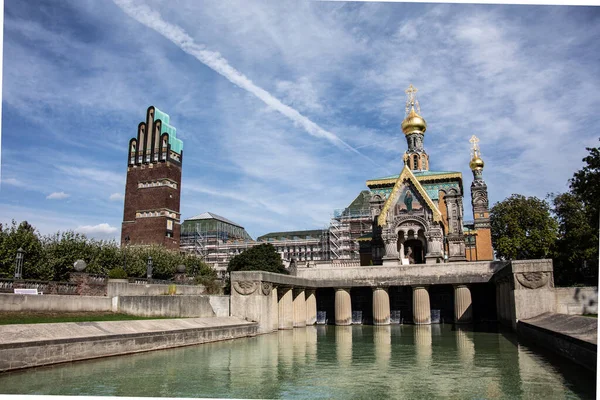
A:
(413, 248)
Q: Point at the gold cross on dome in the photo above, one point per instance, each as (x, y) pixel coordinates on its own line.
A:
(411, 100)
(474, 141)
(411, 91)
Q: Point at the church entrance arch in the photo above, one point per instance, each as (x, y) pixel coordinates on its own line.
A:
(412, 243)
(414, 251)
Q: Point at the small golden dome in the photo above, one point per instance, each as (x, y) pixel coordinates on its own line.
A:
(476, 163)
(413, 123)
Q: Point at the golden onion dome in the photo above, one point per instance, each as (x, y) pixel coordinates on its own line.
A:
(413, 123)
(476, 163)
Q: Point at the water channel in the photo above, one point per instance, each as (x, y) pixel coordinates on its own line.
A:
(344, 362)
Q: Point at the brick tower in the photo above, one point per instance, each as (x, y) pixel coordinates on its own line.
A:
(481, 211)
(153, 187)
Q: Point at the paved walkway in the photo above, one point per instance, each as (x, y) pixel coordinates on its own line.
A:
(583, 328)
(31, 345)
(11, 335)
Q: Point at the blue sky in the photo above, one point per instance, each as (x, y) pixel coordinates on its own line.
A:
(286, 108)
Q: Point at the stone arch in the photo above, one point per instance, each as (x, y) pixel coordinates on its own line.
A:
(164, 151)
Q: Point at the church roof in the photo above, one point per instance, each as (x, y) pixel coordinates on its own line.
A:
(419, 175)
(209, 215)
(359, 206)
(289, 235)
(407, 174)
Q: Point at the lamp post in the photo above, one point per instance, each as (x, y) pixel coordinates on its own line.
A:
(126, 240)
(149, 268)
(19, 264)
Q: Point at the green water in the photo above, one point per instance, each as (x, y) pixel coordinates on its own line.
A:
(361, 362)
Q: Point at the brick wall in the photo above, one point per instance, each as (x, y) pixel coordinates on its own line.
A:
(151, 230)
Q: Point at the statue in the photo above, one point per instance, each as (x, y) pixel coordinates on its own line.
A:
(408, 201)
(411, 259)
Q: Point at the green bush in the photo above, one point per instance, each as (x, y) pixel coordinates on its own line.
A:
(212, 285)
(117, 273)
(51, 257)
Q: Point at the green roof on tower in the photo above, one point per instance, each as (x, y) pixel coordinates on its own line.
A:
(176, 144)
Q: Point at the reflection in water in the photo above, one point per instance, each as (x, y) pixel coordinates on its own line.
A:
(299, 340)
(311, 343)
(529, 369)
(465, 347)
(343, 344)
(286, 348)
(423, 344)
(382, 338)
(400, 361)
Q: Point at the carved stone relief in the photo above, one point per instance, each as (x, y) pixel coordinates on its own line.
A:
(267, 288)
(245, 288)
(533, 280)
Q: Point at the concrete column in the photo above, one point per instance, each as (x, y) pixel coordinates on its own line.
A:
(381, 306)
(311, 307)
(421, 307)
(463, 307)
(274, 309)
(286, 308)
(299, 305)
(343, 307)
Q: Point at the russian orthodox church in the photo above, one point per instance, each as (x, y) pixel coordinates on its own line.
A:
(417, 215)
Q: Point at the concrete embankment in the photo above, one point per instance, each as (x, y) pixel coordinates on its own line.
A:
(32, 345)
(145, 306)
(571, 336)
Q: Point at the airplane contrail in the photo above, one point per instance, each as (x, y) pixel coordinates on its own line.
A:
(216, 62)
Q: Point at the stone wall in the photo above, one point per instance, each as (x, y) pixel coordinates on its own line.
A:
(577, 300)
(26, 302)
(144, 306)
(524, 289)
(570, 336)
(122, 287)
(328, 275)
(25, 346)
(87, 284)
(174, 306)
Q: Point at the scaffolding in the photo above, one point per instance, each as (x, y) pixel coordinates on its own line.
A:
(346, 226)
(213, 238)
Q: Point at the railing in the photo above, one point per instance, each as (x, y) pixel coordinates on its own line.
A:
(345, 263)
(47, 287)
(145, 281)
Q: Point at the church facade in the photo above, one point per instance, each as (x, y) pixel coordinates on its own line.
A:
(417, 215)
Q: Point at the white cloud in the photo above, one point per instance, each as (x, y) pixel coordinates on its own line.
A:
(58, 196)
(95, 174)
(215, 61)
(14, 182)
(103, 228)
(116, 197)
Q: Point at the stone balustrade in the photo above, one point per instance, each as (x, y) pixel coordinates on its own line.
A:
(276, 301)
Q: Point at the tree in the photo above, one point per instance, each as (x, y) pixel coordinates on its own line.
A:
(522, 228)
(585, 184)
(577, 243)
(22, 236)
(577, 212)
(62, 250)
(263, 257)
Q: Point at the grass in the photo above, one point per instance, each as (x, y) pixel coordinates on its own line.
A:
(19, 317)
(591, 315)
